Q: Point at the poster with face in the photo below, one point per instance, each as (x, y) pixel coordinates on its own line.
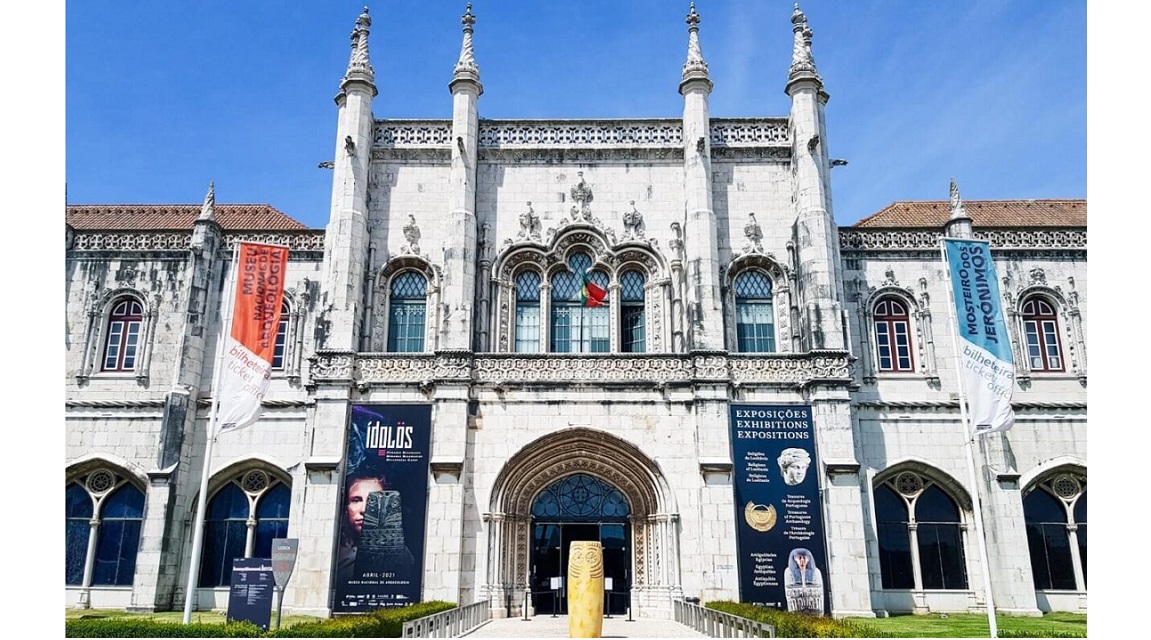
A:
(379, 556)
(779, 516)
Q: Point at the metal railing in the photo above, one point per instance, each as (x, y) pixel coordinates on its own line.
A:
(448, 624)
(717, 624)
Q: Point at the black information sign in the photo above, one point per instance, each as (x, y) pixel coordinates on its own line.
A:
(251, 595)
(779, 517)
(380, 554)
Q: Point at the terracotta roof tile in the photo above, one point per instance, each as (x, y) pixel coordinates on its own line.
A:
(984, 213)
(141, 217)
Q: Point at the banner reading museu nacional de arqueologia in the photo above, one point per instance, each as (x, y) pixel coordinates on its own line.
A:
(246, 361)
(985, 362)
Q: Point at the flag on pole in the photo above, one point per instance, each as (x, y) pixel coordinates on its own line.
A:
(985, 362)
(592, 295)
(246, 359)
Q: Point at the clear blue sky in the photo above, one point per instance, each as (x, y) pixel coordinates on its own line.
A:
(163, 97)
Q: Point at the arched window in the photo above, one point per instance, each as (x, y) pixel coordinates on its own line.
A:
(1049, 510)
(77, 521)
(118, 507)
(633, 329)
(894, 542)
(580, 497)
(574, 327)
(406, 312)
(912, 512)
(122, 343)
(528, 312)
(1042, 330)
(893, 335)
(242, 519)
(754, 316)
(940, 541)
(280, 349)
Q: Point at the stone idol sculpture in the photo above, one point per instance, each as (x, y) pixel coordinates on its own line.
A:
(585, 590)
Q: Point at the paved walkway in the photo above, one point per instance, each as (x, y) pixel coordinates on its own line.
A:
(545, 626)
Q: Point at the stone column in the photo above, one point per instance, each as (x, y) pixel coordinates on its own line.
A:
(817, 237)
(842, 497)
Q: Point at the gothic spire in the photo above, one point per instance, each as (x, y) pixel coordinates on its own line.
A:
(695, 67)
(208, 211)
(802, 62)
(466, 68)
(359, 65)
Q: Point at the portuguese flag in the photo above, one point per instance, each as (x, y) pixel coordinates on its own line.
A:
(592, 295)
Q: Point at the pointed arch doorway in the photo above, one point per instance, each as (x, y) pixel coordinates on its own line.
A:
(576, 508)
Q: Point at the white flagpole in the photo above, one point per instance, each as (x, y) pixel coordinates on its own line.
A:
(202, 502)
(968, 437)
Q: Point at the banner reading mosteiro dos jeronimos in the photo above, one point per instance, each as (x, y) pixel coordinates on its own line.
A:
(985, 362)
(246, 362)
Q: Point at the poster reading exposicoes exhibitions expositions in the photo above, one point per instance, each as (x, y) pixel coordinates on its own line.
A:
(779, 518)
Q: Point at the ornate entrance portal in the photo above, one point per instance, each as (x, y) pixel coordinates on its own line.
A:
(581, 484)
(579, 507)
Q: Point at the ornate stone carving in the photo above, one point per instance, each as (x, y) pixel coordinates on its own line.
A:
(529, 225)
(889, 279)
(453, 366)
(578, 133)
(676, 243)
(802, 62)
(484, 243)
(394, 368)
(655, 316)
(412, 133)
(359, 61)
(1037, 276)
(749, 132)
(505, 321)
(558, 368)
(927, 240)
(797, 369)
(412, 235)
(754, 235)
(467, 60)
(582, 195)
(695, 65)
(331, 366)
(710, 367)
(633, 227)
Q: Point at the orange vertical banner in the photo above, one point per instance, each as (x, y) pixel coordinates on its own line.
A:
(251, 341)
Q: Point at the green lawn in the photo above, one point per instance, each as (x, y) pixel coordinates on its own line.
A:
(971, 625)
(208, 617)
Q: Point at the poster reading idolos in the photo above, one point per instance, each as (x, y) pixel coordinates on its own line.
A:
(779, 518)
(379, 559)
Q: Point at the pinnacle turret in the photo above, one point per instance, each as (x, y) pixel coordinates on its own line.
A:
(466, 68)
(958, 223)
(695, 68)
(957, 210)
(467, 61)
(802, 62)
(359, 64)
(208, 210)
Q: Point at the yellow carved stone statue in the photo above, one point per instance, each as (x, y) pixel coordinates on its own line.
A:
(585, 590)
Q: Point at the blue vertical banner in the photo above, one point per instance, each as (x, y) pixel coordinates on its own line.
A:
(984, 350)
(778, 513)
(380, 553)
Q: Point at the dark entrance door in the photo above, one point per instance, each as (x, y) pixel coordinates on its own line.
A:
(579, 507)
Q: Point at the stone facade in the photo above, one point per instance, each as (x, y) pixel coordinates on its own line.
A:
(470, 205)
